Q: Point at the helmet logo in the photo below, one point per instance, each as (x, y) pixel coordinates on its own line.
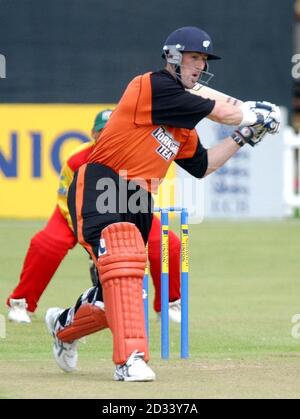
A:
(206, 44)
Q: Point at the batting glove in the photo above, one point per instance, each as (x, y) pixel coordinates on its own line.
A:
(267, 115)
(249, 135)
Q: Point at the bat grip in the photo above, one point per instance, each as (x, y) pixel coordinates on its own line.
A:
(270, 125)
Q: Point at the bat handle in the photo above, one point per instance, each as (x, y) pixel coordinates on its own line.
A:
(271, 125)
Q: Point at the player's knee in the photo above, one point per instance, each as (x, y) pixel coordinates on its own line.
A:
(50, 244)
(122, 252)
(40, 242)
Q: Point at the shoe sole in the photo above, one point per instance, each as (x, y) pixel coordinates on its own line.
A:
(136, 380)
(18, 321)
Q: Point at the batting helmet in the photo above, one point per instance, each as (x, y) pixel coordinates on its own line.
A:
(189, 38)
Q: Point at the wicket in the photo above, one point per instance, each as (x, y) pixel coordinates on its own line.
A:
(184, 278)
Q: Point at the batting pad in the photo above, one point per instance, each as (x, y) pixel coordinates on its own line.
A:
(121, 266)
(87, 319)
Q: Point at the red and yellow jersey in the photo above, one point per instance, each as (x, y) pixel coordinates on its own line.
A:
(71, 165)
(152, 126)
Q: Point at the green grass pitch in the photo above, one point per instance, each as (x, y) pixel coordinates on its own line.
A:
(244, 290)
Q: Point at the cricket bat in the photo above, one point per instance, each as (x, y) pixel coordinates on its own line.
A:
(209, 93)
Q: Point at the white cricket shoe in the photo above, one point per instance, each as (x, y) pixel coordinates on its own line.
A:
(65, 354)
(18, 311)
(135, 369)
(174, 311)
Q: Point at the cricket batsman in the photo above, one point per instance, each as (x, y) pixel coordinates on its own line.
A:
(110, 198)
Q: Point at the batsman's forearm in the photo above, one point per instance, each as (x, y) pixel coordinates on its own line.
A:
(227, 109)
(225, 113)
(218, 155)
